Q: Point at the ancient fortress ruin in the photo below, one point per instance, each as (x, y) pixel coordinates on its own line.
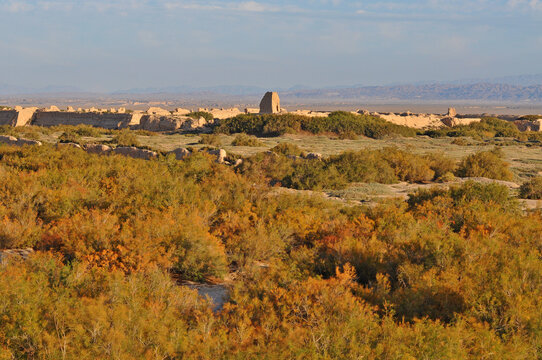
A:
(158, 119)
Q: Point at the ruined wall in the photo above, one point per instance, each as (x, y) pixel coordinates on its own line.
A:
(527, 125)
(25, 116)
(418, 121)
(103, 120)
(8, 117)
(161, 123)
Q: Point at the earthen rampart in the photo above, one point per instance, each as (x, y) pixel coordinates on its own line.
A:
(103, 120)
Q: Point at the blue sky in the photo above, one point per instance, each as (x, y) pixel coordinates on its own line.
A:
(104, 45)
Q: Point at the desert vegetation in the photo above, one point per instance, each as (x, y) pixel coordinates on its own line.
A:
(340, 123)
(450, 273)
(285, 165)
(488, 127)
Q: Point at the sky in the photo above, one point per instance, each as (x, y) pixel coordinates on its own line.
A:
(108, 45)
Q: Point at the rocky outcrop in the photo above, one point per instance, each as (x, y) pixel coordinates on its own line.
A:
(135, 153)
(191, 124)
(68, 145)
(313, 156)
(181, 153)
(220, 155)
(99, 149)
(162, 123)
(11, 140)
(270, 103)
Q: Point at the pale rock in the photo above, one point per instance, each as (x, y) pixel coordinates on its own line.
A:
(99, 149)
(22, 142)
(181, 153)
(7, 139)
(313, 156)
(220, 154)
(135, 153)
(68, 145)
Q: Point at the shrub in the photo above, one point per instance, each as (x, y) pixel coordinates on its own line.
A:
(364, 166)
(197, 114)
(246, 140)
(531, 189)
(460, 142)
(69, 137)
(314, 175)
(488, 127)
(210, 139)
(487, 164)
(440, 164)
(126, 138)
(288, 149)
(342, 123)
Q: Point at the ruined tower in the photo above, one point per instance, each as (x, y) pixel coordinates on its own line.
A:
(270, 103)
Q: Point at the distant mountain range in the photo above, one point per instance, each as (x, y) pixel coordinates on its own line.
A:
(523, 88)
(477, 91)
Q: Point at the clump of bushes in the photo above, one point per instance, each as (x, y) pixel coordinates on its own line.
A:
(246, 140)
(69, 137)
(487, 164)
(531, 189)
(204, 114)
(344, 124)
(386, 166)
(488, 127)
(210, 139)
(288, 149)
(126, 137)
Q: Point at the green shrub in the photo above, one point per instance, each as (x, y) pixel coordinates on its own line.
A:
(440, 164)
(488, 127)
(531, 189)
(69, 137)
(342, 123)
(247, 140)
(460, 142)
(487, 164)
(204, 114)
(314, 175)
(364, 166)
(126, 138)
(210, 139)
(288, 149)
(486, 193)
